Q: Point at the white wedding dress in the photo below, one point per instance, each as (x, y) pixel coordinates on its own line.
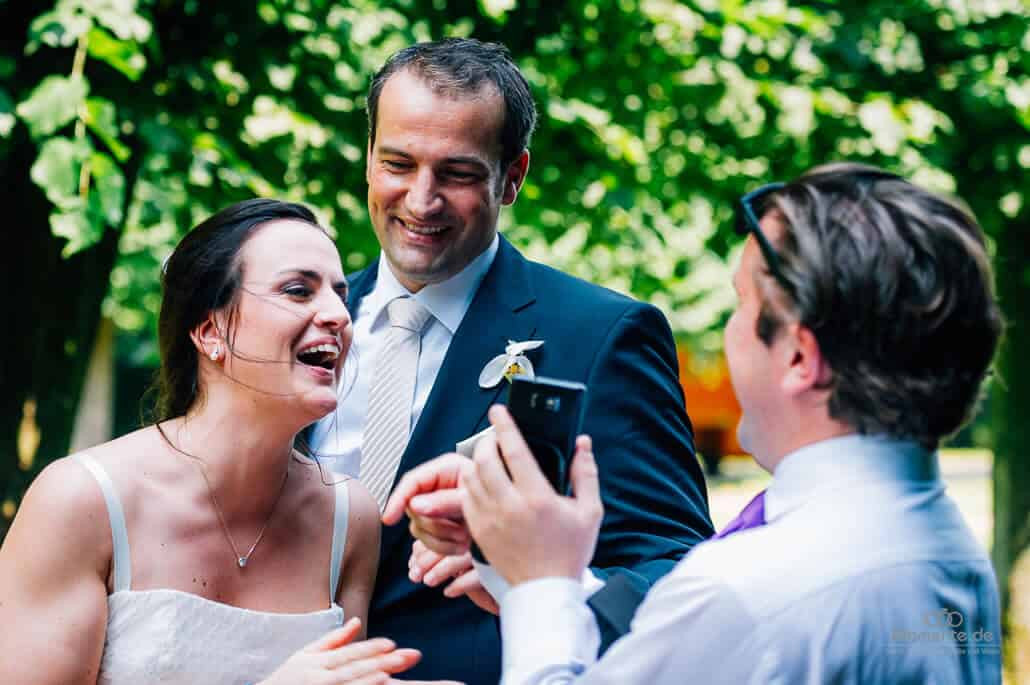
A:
(170, 636)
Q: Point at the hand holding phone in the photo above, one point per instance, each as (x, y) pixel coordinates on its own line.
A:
(549, 414)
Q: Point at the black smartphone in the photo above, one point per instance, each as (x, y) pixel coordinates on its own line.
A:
(549, 414)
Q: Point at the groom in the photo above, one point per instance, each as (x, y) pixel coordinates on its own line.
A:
(449, 126)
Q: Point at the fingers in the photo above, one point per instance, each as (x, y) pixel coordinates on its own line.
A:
(448, 567)
(519, 459)
(421, 560)
(490, 469)
(336, 638)
(439, 504)
(440, 535)
(485, 601)
(470, 585)
(341, 656)
(422, 555)
(403, 660)
(463, 584)
(377, 678)
(374, 668)
(438, 474)
(583, 473)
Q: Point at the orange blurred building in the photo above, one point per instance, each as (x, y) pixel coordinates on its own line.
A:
(711, 404)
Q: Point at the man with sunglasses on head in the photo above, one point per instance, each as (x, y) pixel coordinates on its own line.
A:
(865, 325)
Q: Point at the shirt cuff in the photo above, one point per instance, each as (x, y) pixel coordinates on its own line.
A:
(498, 587)
(546, 626)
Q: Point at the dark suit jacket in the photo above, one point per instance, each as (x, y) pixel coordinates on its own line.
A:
(653, 491)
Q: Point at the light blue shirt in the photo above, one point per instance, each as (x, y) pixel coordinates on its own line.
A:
(864, 573)
(337, 437)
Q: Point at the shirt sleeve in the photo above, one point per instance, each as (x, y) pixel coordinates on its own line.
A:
(548, 635)
(691, 628)
(497, 586)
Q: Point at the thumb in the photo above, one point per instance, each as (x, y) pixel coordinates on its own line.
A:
(583, 474)
(336, 638)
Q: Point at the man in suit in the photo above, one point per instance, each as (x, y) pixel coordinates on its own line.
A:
(854, 566)
(449, 128)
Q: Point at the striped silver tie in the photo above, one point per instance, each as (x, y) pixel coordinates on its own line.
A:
(388, 421)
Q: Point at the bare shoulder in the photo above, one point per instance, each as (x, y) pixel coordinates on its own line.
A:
(62, 522)
(65, 501)
(65, 491)
(361, 554)
(129, 453)
(363, 513)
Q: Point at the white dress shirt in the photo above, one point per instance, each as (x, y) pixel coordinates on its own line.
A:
(864, 573)
(337, 437)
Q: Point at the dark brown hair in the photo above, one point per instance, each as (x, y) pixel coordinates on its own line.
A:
(460, 67)
(896, 285)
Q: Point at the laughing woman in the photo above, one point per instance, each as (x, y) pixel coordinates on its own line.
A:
(205, 548)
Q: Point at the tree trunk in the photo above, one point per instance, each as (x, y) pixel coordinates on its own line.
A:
(1010, 404)
(94, 418)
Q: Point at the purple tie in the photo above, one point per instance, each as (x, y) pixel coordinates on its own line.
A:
(751, 516)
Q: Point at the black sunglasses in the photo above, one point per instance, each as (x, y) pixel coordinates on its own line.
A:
(749, 209)
(754, 204)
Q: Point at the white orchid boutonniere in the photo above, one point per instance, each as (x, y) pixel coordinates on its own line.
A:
(510, 364)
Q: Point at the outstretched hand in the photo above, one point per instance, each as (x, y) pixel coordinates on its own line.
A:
(433, 569)
(334, 660)
(525, 529)
(428, 494)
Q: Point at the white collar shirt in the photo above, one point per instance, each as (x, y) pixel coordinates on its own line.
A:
(337, 437)
(864, 573)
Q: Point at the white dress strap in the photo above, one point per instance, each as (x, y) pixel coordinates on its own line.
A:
(340, 518)
(122, 565)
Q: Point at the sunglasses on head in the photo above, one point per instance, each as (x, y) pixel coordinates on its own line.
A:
(750, 209)
(753, 205)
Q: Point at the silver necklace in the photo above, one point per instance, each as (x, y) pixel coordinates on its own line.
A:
(241, 559)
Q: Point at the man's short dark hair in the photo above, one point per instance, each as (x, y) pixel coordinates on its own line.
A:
(458, 67)
(896, 285)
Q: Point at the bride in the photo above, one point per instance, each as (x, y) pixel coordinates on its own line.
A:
(205, 548)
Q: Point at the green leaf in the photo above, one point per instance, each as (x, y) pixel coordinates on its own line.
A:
(120, 17)
(57, 168)
(102, 120)
(60, 27)
(76, 227)
(123, 55)
(497, 9)
(53, 103)
(107, 196)
(7, 118)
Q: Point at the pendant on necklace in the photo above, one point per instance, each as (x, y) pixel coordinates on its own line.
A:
(242, 561)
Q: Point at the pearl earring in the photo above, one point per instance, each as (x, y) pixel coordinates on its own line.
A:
(215, 354)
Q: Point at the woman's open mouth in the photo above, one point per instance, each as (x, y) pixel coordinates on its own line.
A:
(321, 355)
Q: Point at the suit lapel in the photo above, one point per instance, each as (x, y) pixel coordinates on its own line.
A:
(500, 311)
(361, 284)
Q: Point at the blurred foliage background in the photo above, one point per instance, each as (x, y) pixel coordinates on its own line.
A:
(124, 122)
